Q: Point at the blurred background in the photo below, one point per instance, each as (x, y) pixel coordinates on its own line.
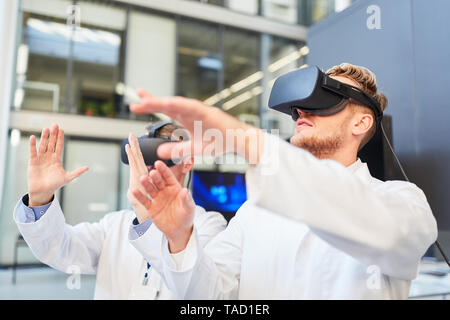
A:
(68, 62)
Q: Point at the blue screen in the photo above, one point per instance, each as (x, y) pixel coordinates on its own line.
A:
(219, 191)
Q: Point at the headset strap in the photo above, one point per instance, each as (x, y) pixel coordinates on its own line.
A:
(349, 91)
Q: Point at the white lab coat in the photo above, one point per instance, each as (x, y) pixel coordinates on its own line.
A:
(104, 248)
(311, 229)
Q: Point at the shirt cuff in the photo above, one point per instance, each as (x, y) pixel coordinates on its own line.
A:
(139, 229)
(177, 259)
(31, 214)
(183, 260)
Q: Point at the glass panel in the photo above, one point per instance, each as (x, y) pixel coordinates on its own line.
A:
(151, 54)
(96, 60)
(285, 55)
(322, 9)
(89, 197)
(124, 182)
(281, 10)
(304, 12)
(14, 188)
(312, 11)
(43, 59)
(242, 74)
(247, 6)
(61, 68)
(199, 62)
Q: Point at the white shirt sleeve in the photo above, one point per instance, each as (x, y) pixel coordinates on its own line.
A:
(179, 270)
(62, 246)
(388, 224)
(212, 272)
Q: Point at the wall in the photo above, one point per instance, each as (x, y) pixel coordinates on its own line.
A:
(150, 66)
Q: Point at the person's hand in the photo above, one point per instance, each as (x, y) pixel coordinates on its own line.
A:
(137, 169)
(171, 207)
(246, 140)
(45, 171)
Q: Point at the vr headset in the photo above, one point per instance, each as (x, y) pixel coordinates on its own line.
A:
(149, 144)
(312, 91)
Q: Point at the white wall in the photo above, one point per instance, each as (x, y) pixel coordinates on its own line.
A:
(8, 19)
(150, 55)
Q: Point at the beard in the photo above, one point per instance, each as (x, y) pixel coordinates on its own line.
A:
(320, 147)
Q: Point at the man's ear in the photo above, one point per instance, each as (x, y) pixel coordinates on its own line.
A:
(362, 124)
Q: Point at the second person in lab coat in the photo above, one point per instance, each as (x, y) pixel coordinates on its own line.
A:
(103, 248)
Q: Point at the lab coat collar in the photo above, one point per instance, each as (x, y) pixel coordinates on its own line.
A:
(355, 165)
(360, 169)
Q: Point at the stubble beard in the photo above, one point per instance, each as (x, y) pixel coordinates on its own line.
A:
(320, 147)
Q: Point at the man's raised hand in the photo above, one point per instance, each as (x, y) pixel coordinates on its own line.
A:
(189, 112)
(171, 207)
(45, 171)
(137, 169)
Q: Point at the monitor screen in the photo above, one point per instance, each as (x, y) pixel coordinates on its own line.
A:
(219, 191)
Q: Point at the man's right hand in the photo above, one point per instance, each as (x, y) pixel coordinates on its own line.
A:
(45, 171)
(171, 207)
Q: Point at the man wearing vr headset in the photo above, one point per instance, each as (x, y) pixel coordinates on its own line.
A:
(103, 248)
(316, 224)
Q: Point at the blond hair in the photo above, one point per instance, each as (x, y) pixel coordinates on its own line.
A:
(367, 82)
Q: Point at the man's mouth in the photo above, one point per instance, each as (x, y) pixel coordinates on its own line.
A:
(303, 123)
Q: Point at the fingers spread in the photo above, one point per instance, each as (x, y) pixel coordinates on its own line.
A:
(144, 94)
(131, 160)
(33, 152)
(149, 186)
(176, 150)
(44, 141)
(166, 174)
(52, 140)
(59, 143)
(157, 179)
(148, 105)
(128, 151)
(143, 199)
(76, 173)
(136, 149)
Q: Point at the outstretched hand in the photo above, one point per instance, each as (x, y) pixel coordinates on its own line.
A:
(171, 207)
(246, 139)
(45, 170)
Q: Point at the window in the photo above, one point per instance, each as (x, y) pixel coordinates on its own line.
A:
(284, 56)
(242, 73)
(199, 60)
(68, 69)
(89, 197)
